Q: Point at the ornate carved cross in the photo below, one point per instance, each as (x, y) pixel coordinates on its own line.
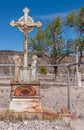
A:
(25, 25)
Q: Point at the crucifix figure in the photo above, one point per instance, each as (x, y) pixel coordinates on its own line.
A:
(25, 25)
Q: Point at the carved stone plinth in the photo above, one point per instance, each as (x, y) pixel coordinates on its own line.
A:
(25, 98)
(31, 105)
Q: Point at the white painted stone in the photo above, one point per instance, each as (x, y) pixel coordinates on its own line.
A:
(28, 105)
(24, 76)
(17, 61)
(33, 69)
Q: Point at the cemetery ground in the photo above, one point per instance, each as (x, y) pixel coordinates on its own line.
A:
(54, 96)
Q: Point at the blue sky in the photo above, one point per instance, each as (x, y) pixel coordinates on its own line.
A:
(40, 10)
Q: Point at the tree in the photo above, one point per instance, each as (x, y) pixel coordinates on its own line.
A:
(50, 41)
(76, 20)
(70, 45)
(80, 44)
(37, 43)
(56, 42)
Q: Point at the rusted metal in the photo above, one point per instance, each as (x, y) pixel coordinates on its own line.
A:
(25, 91)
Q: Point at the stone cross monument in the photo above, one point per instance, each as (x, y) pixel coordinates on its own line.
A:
(25, 25)
(25, 94)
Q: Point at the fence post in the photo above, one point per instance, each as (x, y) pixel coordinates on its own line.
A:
(68, 87)
(10, 73)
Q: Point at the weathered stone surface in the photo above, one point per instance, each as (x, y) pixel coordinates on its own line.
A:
(24, 76)
(25, 105)
(25, 97)
(17, 61)
(33, 69)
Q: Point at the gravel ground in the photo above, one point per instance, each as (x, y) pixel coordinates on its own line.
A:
(35, 125)
(54, 97)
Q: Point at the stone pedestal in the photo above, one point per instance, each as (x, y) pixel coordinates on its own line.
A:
(27, 104)
(24, 76)
(25, 98)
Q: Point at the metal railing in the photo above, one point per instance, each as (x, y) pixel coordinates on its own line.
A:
(6, 69)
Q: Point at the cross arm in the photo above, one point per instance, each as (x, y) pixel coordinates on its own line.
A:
(37, 24)
(13, 23)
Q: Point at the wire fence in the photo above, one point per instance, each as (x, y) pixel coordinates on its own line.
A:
(64, 89)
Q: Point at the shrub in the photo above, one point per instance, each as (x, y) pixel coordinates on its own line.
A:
(43, 70)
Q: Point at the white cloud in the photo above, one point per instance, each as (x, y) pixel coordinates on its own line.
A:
(49, 17)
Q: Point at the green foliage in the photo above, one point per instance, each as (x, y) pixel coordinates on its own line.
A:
(70, 19)
(20, 118)
(37, 44)
(55, 38)
(11, 116)
(81, 16)
(51, 41)
(55, 26)
(81, 22)
(80, 42)
(42, 70)
(76, 20)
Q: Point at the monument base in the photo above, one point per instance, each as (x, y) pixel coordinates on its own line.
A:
(30, 105)
(26, 98)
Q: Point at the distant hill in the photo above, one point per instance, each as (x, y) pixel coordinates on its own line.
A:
(6, 56)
